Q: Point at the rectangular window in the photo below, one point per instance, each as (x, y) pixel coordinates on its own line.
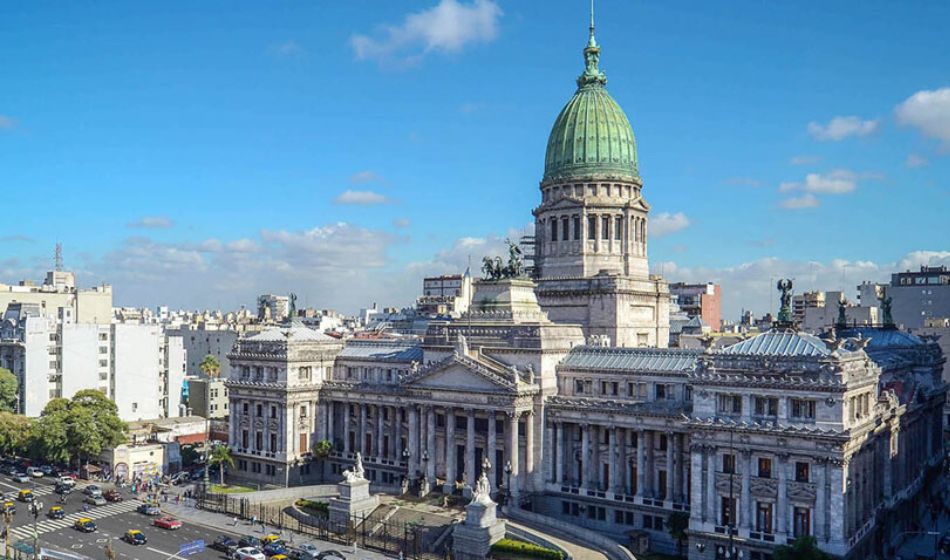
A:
(803, 409)
(763, 517)
(766, 406)
(591, 227)
(729, 463)
(244, 439)
(726, 508)
(577, 228)
(565, 230)
(730, 404)
(802, 522)
(605, 225)
(765, 467)
(259, 441)
(663, 442)
(244, 408)
(660, 392)
(618, 228)
(801, 472)
(273, 411)
(553, 229)
(273, 443)
(260, 410)
(578, 387)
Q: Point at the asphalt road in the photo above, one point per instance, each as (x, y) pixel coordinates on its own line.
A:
(113, 520)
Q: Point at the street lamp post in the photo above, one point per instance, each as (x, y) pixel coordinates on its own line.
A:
(507, 482)
(405, 479)
(424, 490)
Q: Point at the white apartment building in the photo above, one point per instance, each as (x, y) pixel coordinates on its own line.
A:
(137, 366)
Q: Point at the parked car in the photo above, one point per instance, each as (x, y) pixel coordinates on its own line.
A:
(112, 496)
(85, 525)
(20, 477)
(248, 553)
(167, 522)
(149, 509)
(95, 500)
(306, 551)
(66, 480)
(34, 472)
(47, 470)
(250, 541)
(93, 490)
(224, 544)
(135, 537)
(275, 548)
(8, 470)
(180, 478)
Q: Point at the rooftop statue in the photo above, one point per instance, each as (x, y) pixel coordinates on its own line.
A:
(887, 318)
(842, 321)
(495, 269)
(785, 310)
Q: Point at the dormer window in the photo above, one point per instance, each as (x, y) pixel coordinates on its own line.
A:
(766, 406)
(730, 404)
(578, 386)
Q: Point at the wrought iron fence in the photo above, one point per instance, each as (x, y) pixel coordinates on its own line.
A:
(411, 539)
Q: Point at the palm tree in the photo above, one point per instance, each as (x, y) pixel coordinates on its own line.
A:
(210, 366)
(221, 456)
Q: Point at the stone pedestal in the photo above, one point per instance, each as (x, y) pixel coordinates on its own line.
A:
(355, 503)
(424, 488)
(472, 539)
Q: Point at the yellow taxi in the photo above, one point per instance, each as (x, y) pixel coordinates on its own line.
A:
(279, 557)
(25, 495)
(269, 539)
(85, 524)
(56, 512)
(135, 537)
(8, 507)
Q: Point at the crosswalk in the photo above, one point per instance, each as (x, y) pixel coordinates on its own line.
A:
(99, 512)
(42, 490)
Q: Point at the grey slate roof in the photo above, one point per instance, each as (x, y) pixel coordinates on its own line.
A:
(634, 359)
(382, 351)
(294, 332)
(785, 342)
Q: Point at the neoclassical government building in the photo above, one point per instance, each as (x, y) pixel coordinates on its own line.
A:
(563, 381)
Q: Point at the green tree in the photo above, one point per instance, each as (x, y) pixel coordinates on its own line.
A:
(804, 548)
(9, 390)
(677, 524)
(221, 456)
(210, 366)
(15, 433)
(78, 428)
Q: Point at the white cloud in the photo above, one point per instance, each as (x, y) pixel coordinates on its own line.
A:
(361, 197)
(751, 285)
(840, 128)
(288, 48)
(665, 223)
(402, 222)
(807, 200)
(367, 176)
(447, 27)
(16, 238)
(6, 123)
(915, 160)
(804, 160)
(152, 222)
(838, 181)
(929, 112)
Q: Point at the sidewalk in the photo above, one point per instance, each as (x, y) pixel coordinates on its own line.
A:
(225, 524)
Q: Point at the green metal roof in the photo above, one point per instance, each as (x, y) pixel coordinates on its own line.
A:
(591, 137)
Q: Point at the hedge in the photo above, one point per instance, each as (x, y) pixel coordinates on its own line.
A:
(313, 507)
(526, 549)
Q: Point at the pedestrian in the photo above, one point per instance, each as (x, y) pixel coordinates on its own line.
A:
(235, 521)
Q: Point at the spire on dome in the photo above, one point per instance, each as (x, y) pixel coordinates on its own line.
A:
(592, 74)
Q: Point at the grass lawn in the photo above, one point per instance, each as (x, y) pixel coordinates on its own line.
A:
(230, 489)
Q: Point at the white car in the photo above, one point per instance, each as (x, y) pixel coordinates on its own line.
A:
(248, 553)
(20, 477)
(66, 481)
(34, 472)
(93, 490)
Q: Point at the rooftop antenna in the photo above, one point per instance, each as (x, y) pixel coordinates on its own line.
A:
(58, 258)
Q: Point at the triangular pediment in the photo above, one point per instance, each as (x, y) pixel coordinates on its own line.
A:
(460, 374)
(564, 202)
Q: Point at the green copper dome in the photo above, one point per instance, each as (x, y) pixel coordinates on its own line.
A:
(592, 136)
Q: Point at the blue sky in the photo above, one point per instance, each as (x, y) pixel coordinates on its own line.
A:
(196, 154)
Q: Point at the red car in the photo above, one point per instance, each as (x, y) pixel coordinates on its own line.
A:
(167, 523)
(112, 496)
